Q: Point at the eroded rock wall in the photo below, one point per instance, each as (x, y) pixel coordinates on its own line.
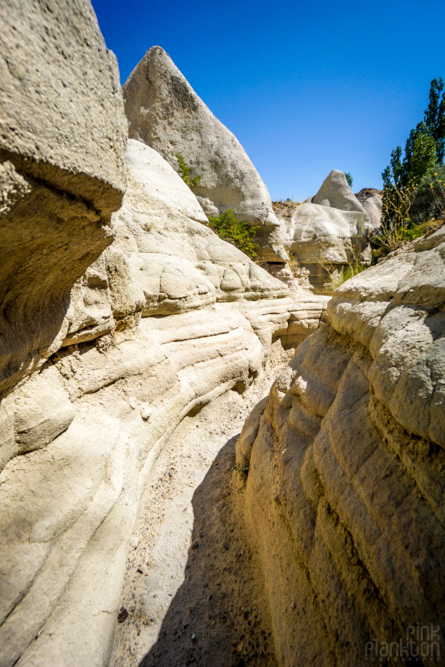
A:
(62, 143)
(343, 488)
(115, 325)
(166, 319)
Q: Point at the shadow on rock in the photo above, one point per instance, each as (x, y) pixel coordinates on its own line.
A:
(218, 616)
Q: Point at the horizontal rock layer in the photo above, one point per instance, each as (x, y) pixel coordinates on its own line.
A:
(343, 467)
(168, 318)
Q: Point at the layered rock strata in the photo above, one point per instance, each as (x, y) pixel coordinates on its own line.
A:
(166, 113)
(62, 143)
(168, 318)
(343, 472)
(321, 241)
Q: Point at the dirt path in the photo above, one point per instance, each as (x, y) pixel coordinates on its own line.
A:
(183, 601)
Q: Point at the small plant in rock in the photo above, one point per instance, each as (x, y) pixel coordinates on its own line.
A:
(239, 234)
(345, 273)
(184, 172)
(349, 179)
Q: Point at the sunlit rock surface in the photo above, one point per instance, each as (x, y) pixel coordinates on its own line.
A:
(343, 471)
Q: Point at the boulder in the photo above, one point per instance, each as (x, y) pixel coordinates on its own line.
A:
(165, 113)
(343, 473)
(371, 200)
(62, 143)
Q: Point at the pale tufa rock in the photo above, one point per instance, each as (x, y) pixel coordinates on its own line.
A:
(343, 470)
(166, 320)
(336, 192)
(62, 142)
(165, 113)
(321, 240)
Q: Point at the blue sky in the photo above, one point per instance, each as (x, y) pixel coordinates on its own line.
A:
(306, 87)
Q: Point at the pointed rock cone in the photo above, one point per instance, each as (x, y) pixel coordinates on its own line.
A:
(165, 113)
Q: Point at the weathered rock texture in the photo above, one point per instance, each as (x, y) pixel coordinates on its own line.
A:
(62, 142)
(325, 235)
(165, 320)
(344, 495)
(321, 241)
(165, 113)
(336, 192)
(371, 200)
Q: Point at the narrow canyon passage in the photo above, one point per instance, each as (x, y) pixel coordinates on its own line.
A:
(191, 589)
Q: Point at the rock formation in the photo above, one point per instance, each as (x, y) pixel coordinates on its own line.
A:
(168, 318)
(165, 113)
(321, 241)
(61, 172)
(371, 200)
(343, 467)
(121, 312)
(325, 234)
(336, 192)
(115, 326)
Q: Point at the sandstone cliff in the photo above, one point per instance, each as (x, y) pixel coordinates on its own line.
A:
(343, 467)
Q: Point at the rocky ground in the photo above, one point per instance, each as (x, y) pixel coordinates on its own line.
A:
(183, 601)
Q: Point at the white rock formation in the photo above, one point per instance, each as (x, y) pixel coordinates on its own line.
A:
(62, 142)
(166, 113)
(344, 492)
(322, 240)
(168, 318)
(371, 200)
(336, 192)
(325, 234)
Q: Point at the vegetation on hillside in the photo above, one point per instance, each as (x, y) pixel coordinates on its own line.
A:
(228, 228)
(413, 193)
(239, 234)
(185, 171)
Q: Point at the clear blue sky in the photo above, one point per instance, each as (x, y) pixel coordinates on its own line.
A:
(305, 86)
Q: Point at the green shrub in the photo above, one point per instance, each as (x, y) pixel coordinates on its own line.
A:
(349, 179)
(381, 246)
(184, 171)
(239, 234)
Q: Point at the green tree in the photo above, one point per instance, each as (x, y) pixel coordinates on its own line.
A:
(424, 149)
(349, 179)
(423, 158)
(435, 117)
(425, 145)
(184, 172)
